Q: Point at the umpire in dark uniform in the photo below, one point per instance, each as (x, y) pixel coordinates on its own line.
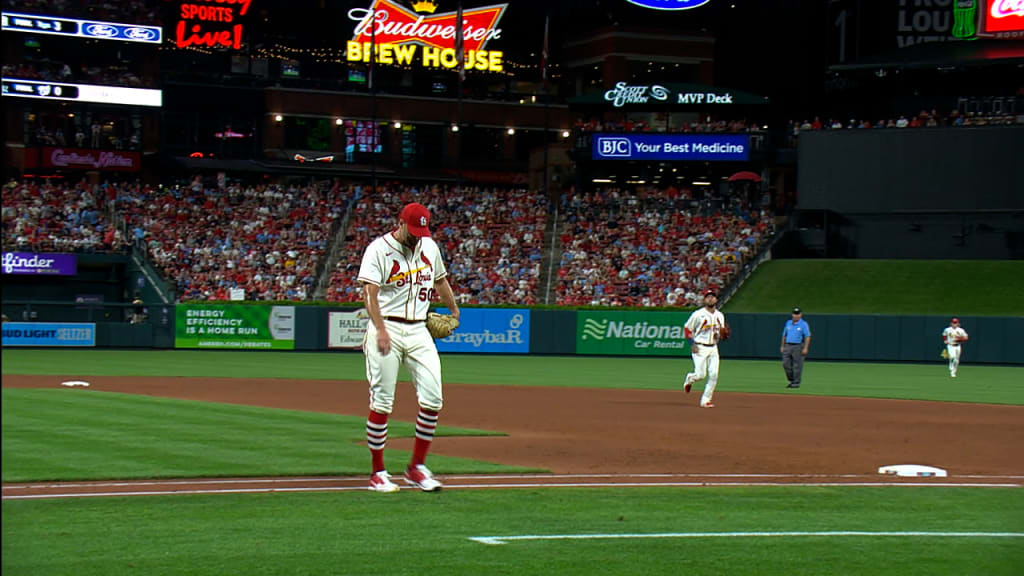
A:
(796, 341)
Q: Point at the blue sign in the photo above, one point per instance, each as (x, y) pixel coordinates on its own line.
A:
(49, 334)
(678, 147)
(669, 4)
(489, 331)
(43, 24)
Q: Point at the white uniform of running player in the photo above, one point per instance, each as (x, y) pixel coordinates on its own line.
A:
(401, 273)
(953, 335)
(702, 327)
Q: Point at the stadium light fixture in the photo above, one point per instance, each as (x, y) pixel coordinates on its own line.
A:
(511, 131)
(455, 127)
(397, 125)
(565, 133)
(338, 121)
(278, 118)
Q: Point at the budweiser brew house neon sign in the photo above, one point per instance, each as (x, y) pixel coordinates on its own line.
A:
(406, 37)
(211, 23)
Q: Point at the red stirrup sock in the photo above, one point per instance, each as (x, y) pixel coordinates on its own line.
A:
(377, 438)
(426, 423)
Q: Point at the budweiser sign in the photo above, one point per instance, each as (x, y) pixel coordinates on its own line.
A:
(397, 35)
(1005, 18)
(86, 159)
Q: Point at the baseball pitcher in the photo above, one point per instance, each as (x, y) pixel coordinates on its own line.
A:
(401, 273)
(706, 326)
(954, 336)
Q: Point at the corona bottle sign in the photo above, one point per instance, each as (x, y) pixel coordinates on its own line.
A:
(400, 36)
(964, 16)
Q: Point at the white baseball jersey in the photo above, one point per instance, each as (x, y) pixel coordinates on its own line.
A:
(406, 278)
(954, 335)
(704, 325)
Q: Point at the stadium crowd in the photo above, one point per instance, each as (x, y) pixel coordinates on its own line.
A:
(264, 239)
(639, 125)
(491, 239)
(653, 247)
(60, 217)
(923, 119)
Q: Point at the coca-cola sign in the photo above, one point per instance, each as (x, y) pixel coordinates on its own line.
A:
(85, 159)
(402, 36)
(1004, 18)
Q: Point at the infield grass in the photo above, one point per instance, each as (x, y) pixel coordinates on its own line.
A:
(412, 533)
(976, 383)
(926, 287)
(91, 435)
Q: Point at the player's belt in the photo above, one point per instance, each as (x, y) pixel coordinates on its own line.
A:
(402, 320)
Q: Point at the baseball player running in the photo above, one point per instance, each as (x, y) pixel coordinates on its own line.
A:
(401, 272)
(953, 336)
(703, 327)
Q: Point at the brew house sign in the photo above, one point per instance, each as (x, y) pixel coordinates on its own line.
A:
(624, 94)
(400, 36)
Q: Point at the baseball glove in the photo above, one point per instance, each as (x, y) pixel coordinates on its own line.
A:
(724, 332)
(441, 325)
(944, 354)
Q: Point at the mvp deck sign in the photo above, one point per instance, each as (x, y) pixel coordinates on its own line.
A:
(399, 36)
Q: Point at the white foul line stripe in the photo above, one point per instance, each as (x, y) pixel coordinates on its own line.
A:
(535, 485)
(497, 540)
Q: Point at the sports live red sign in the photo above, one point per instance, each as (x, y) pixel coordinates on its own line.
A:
(1004, 18)
(211, 23)
(82, 159)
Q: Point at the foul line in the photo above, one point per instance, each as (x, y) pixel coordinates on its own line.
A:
(499, 540)
(511, 485)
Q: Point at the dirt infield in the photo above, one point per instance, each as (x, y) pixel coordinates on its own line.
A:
(587, 433)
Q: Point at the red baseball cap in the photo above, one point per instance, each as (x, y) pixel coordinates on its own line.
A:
(416, 218)
(955, 321)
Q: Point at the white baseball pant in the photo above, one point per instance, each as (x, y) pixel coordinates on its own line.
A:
(411, 345)
(705, 364)
(954, 357)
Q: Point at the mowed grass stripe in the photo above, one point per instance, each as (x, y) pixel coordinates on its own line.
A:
(413, 533)
(924, 287)
(86, 434)
(979, 384)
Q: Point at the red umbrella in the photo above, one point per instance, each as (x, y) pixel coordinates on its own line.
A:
(744, 176)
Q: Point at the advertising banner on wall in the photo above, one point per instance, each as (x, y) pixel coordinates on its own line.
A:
(677, 147)
(489, 331)
(83, 159)
(45, 264)
(49, 334)
(631, 333)
(235, 327)
(347, 329)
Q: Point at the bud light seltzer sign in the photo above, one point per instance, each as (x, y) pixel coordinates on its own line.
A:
(47, 264)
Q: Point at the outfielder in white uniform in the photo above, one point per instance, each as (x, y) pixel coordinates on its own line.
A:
(702, 327)
(401, 273)
(953, 336)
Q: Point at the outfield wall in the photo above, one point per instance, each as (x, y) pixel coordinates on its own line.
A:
(610, 332)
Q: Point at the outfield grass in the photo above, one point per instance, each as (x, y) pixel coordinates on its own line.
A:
(926, 287)
(412, 533)
(54, 435)
(983, 384)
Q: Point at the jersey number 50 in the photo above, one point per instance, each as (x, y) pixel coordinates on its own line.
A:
(426, 294)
